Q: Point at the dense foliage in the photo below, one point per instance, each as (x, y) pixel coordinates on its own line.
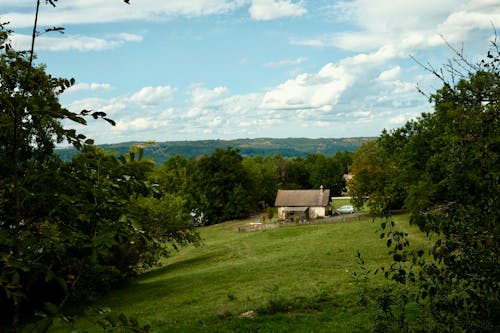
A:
(445, 169)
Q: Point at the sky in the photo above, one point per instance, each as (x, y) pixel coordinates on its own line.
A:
(170, 70)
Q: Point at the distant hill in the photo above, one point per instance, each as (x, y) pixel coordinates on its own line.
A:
(290, 147)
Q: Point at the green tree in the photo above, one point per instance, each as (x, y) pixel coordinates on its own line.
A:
(263, 179)
(375, 177)
(175, 175)
(295, 174)
(449, 164)
(220, 186)
(68, 230)
(344, 158)
(455, 195)
(325, 171)
(30, 125)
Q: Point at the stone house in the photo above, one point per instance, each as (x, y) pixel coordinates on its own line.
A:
(302, 204)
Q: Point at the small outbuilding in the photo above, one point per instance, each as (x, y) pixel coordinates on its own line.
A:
(302, 204)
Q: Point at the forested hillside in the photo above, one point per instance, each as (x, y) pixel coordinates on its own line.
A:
(289, 147)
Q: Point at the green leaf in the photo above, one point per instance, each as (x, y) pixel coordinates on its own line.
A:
(50, 308)
(111, 121)
(50, 275)
(112, 319)
(123, 319)
(397, 257)
(16, 279)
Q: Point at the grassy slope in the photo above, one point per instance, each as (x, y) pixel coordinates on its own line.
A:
(309, 267)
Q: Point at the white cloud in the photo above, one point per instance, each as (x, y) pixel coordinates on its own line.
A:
(459, 24)
(215, 122)
(362, 114)
(136, 124)
(208, 112)
(81, 12)
(203, 97)
(152, 95)
(82, 86)
(397, 120)
(264, 10)
(73, 42)
(373, 92)
(380, 15)
(390, 74)
(354, 41)
(324, 89)
(84, 12)
(127, 37)
(286, 62)
(216, 113)
(310, 90)
(315, 42)
(419, 24)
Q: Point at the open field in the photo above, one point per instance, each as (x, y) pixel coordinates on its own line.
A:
(295, 278)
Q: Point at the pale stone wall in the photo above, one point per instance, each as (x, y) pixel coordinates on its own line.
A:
(281, 213)
(315, 212)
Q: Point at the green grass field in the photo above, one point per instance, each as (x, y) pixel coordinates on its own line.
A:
(295, 278)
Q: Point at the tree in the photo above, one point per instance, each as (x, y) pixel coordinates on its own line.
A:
(325, 171)
(375, 177)
(461, 177)
(449, 163)
(220, 186)
(295, 174)
(263, 175)
(68, 230)
(174, 176)
(30, 125)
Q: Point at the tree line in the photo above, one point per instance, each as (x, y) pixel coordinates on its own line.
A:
(225, 185)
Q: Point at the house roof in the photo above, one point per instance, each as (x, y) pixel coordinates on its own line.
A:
(300, 198)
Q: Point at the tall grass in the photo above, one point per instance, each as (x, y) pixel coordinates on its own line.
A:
(289, 279)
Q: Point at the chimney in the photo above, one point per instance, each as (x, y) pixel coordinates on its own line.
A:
(321, 189)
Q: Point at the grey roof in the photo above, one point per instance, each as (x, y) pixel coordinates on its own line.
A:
(300, 198)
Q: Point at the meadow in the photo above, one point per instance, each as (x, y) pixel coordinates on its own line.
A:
(286, 279)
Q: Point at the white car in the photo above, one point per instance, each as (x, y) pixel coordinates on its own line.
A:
(347, 209)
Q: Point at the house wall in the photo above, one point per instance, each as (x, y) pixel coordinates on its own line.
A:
(314, 212)
(281, 213)
(284, 215)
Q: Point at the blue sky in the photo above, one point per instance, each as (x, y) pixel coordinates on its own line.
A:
(226, 69)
